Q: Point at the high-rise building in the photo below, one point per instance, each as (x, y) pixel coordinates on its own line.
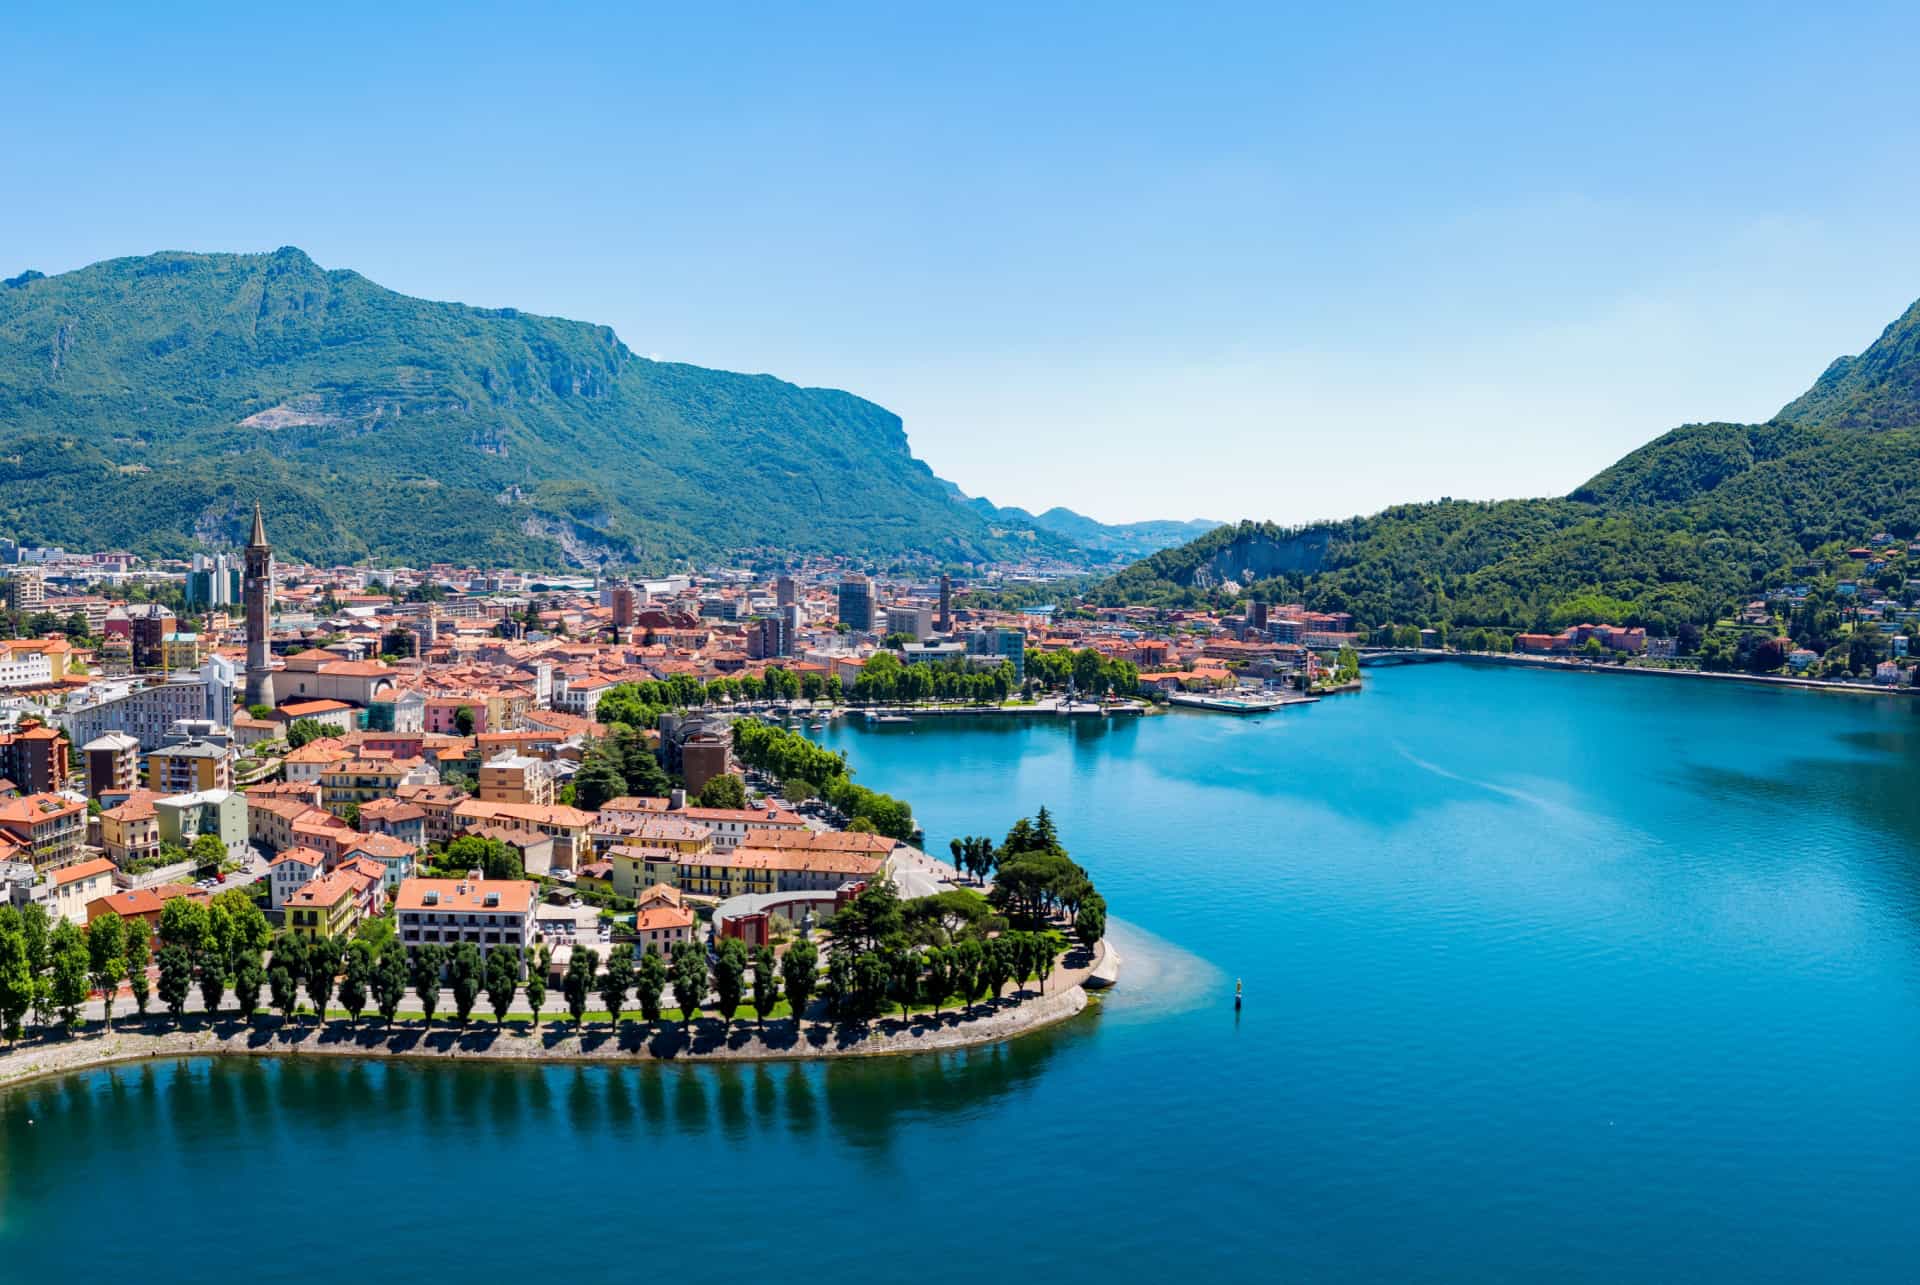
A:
(149, 623)
(1256, 614)
(946, 603)
(215, 581)
(258, 589)
(786, 591)
(622, 606)
(856, 603)
(1008, 644)
(27, 589)
(914, 621)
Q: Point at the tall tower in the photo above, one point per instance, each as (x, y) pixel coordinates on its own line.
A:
(946, 603)
(257, 588)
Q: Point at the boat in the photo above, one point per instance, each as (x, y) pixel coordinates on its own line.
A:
(894, 718)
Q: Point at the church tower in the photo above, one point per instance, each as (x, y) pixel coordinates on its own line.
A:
(257, 588)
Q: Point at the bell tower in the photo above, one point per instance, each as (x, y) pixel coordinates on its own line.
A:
(257, 588)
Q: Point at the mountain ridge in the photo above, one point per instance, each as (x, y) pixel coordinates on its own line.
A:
(145, 401)
(1668, 536)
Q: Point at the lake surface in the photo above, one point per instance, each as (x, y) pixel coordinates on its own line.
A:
(1548, 976)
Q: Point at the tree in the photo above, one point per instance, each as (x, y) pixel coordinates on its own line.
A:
(281, 986)
(577, 984)
(938, 983)
(689, 972)
(465, 975)
(106, 957)
(356, 981)
(799, 971)
(1046, 951)
(390, 980)
(323, 965)
(766, 984)
(870, 919)
(16, 975)
(248, 978)
(463, 720)
(493, 858)
(723, 791)
(185, 923)
(138, 954)
(970, 970)
(37, 931)
(903, 976)
(616, 982)
(649, 983)
(598, 780)
(1090, 921)
(303, 731)
(212, 971)
(729, 977)
(424, 973)
(537, 981)
(176, 977)
(870, 978)
(69, 973)
(503, 981)
(996, 966)
(208, 852)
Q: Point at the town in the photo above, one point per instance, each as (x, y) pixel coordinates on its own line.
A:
(242, 783)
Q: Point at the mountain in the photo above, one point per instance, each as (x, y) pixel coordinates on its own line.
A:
(1111, 542)
(1670, 536)
(146, 402)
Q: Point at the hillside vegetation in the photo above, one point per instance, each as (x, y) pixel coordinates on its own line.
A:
(1671, 535)
(146, 402)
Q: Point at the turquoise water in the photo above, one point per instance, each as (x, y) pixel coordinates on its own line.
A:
(1549, 976)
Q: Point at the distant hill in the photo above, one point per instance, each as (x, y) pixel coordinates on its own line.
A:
(1108, 541)
(146, 402)
(1669, 536)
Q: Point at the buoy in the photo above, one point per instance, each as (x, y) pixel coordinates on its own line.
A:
(1237, 985)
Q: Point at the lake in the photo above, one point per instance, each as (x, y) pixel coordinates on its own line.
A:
(1548, 975)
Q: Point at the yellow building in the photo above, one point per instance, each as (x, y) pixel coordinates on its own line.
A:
(189, 767)
(516, 778)
(131, 832)
(328, 906)
(362, 780)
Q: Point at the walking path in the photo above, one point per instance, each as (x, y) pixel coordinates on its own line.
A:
(135, 1038)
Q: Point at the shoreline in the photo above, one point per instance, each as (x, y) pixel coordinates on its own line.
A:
(135, 1039)
(1757, 680)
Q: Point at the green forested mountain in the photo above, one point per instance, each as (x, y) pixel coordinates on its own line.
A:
(146, 402)
(1669, 536)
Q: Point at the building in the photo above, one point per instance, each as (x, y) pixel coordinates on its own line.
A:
(112, 764)
(727, 826)
(786, 591)
(147, 712)
(291, 871)
(946, 603)
(661, 925)
(71, 888)
(257, 588)
(149, 624)
(222, 813)
(26, 590)
(189, 766)
(705, 755)
(130, 832)
(354, 781)
(570, 827)
(24, 663)
(34, 757)
(914, 621)
(856, 604)
(1008, 644)
(328, 906)
(491, 913)
(396, 818)
(48, 827)
(215, 581)
(144, 905)
(516, 778)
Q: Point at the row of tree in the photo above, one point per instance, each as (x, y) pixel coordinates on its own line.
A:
(884, 679)
(806, 770)
(1035, 882)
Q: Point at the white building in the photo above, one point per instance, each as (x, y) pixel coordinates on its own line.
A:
(487, 912)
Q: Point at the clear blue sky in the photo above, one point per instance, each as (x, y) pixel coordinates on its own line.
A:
(1169, 261)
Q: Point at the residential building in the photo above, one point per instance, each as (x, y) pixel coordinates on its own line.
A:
(727, 826)
(112, 764)
(856, 604)
(291, 871)
(491, 913)
(72, 887)
(914, 621)
(49, 828)
(34, 757)
(362, 780)
(516, 778)
(183, 818)
(328, 906)
(189, 766)
(130, 832)
(144, 905)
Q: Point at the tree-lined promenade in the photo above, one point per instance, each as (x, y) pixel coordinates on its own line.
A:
(958, 967)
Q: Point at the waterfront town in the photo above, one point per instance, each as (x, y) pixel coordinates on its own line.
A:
(566, 771)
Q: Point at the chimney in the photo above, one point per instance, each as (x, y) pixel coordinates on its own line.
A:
(676, 801)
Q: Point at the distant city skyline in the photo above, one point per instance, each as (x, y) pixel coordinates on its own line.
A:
(1154, 264)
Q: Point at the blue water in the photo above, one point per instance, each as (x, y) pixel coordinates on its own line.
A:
(1549, 977)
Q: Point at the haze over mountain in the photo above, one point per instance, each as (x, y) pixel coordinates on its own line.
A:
(1668, 536)
(146, 402)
